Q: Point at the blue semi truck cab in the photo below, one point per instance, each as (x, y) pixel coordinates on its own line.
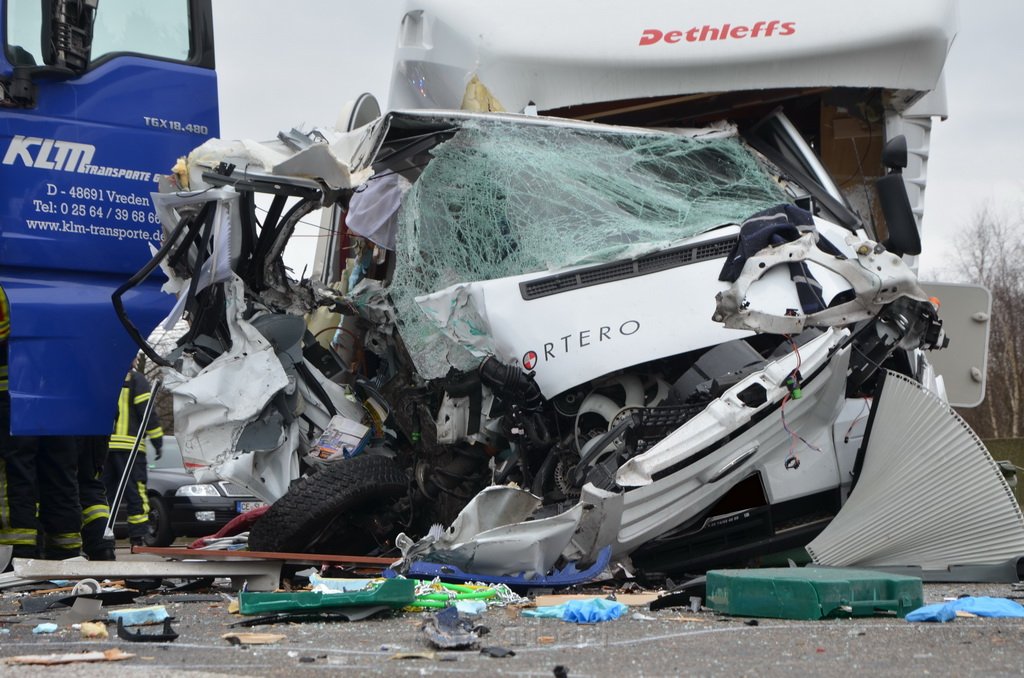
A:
(97, 98)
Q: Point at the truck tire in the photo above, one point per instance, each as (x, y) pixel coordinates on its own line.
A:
(341, 508)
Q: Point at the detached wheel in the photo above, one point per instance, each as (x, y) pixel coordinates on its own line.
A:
(345, 507)
(160, 532)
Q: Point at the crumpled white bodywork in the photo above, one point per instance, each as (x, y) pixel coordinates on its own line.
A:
(487, 535)
(493, 534)
(212, 405)
(337, 159)
(727, 413)
(570, 339)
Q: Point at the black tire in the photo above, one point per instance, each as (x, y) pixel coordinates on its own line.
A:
(344, 507)
(160, 532)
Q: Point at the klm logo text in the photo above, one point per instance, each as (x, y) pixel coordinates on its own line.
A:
(49, 154)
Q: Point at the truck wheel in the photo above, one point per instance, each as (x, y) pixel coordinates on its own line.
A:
(160, 532)
(344, 507)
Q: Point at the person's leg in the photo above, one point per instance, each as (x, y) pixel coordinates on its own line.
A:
(19, 527)
(135, 500)
(60, 513)
(92, 454)
(138, 507)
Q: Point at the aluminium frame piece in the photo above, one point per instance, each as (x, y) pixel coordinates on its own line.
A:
(257, 575)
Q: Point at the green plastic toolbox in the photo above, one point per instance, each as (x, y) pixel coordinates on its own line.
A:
(394, 593)
(812, 592)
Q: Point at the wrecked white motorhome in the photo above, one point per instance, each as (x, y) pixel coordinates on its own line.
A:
(563, 338)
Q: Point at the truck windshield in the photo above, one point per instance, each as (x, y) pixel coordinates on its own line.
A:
(157, 28)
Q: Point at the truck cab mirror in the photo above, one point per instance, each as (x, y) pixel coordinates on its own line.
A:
(67, 29)
(904, 238)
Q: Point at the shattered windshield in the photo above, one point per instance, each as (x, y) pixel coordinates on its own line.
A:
(502, 198)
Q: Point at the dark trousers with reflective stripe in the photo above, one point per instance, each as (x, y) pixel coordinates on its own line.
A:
(18, 525)
(39, 470)
(135, 500)
(92, 455)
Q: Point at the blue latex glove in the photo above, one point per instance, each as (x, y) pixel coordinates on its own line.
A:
(982, 606)
(588, 611)
(936, 612)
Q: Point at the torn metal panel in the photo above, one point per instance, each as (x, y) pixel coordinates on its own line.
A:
(461, 313)
(225, 242)
(928, 494)
(228, 414)
(258, 575)
(678, 496)
(214, 404)
(492, 535)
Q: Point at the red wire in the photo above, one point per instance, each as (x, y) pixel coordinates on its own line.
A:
(794, 436)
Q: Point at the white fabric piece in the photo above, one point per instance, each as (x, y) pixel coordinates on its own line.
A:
(373, 210)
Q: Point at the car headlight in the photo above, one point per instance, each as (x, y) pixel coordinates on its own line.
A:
(197, 491)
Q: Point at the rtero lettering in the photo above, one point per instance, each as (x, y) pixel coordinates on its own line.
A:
(580, 340)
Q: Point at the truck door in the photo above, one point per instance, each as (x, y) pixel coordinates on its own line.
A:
(96, 99)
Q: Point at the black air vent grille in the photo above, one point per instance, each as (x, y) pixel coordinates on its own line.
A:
(621, 270)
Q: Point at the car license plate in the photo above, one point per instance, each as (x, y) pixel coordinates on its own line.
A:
(243, 506)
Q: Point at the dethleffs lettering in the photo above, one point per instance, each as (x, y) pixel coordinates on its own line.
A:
(581, 339)
(706, 33)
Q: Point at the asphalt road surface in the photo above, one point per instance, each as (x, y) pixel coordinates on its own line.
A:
(675, 642)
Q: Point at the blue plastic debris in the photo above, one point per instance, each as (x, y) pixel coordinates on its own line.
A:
(982, 606)
(567, 576)
(139, 615)
(588, 611)
(47, 627)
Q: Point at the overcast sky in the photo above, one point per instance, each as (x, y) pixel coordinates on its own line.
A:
(283, 65)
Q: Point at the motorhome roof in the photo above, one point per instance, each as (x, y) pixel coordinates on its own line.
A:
(564, 54)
